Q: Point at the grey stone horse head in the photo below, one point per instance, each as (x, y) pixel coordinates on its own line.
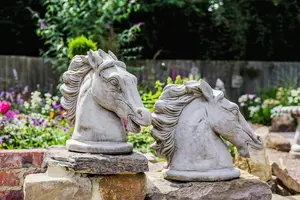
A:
(190, 123)
(98, 92)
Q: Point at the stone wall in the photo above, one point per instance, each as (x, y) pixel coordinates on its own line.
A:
(15, 165)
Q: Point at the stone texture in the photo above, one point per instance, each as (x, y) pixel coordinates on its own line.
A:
(277, 142)
(188, 121)
(151, 158)
(84, 187)
(244, 188)
(285, 180)
(258, 164)
(97, 94)
(97, 163)
(279, 197)
(283, 123)
(123, 187)
(43, 187)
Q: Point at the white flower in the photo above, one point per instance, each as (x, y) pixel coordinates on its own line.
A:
(251, 96)
(47, 107)
(48, 95)
(294, 93)
(26, 105)
(242, 98)
(55, 98)
(257, 100)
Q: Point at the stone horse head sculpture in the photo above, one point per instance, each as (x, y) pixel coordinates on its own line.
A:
(190, 123)
(98, 93)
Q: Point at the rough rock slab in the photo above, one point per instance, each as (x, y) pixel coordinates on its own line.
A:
(43, 187)
(244, 188)
(122, 187)
(278, 197)
(287, 181)
(258, 164)
(96, 163)
(277, 142)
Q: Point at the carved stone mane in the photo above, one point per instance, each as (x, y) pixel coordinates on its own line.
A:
(72, 80)
(167, 112)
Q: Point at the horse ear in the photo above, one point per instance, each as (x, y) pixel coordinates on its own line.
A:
(112, 55)
(91, 58)
(206, 90)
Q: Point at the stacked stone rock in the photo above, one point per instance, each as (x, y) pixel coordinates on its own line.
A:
(295, 111)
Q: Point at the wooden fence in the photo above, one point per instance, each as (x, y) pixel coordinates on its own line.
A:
(239, 77)
(22, 71)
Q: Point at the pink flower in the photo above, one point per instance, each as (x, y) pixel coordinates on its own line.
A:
(4, 107)
(139, 24)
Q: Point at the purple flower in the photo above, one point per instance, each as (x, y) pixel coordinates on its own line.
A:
(71, 135)
(15, 74)
(46, 124)
(27, 118)
(139, 24)
(10, 114)
(58, 116)
(20, 101)
(25, 90)
(1, 141)
(42, 121)
(53, 123)
(65, 129)
(43, 25)
(56, 106)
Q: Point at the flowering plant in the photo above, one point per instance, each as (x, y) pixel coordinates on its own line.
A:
(4, 107)
(40, 125)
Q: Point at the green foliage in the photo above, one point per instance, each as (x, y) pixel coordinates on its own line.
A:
(142, 141)
(149, 98)
(80, 46)
(95, 19)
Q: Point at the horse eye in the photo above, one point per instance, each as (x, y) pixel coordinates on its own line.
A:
(114, 82)
(235, 112)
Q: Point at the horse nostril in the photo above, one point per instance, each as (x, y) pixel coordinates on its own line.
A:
(140, 112)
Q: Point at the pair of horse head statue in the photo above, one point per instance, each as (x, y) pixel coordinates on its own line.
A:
(190, 121)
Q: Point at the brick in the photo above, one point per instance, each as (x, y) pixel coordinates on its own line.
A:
(17, 159)
(10, 178)
(11, 195)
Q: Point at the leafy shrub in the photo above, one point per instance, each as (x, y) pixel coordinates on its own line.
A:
(95, 19)
(80, 46)
(142, 141)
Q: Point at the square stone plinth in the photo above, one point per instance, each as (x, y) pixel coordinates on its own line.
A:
(108, 187)
(87, 163)
(247, 187)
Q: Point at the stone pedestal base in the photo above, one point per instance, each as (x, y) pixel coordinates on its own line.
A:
(83, 176)
(119, 187)
(247, 187)
(96, 163)
(99, 147)
(212, 175)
